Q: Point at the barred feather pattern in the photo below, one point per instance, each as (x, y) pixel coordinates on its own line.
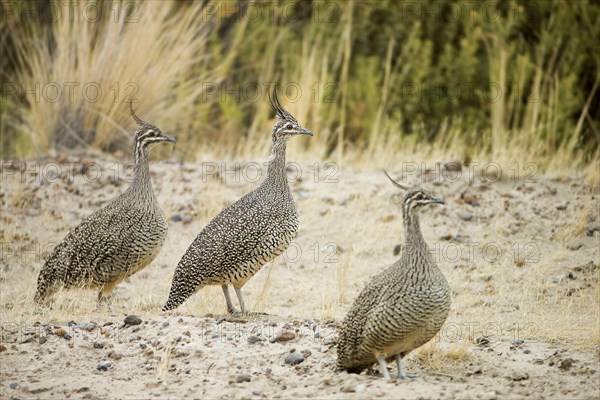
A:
(401, 308)
(249, 233)
(116, 241)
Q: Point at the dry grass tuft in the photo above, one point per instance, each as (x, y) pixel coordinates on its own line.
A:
(433, 356)
(105, 76)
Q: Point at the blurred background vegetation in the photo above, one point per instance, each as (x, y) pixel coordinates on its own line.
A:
(510, 80)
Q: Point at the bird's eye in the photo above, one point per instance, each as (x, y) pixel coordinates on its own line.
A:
(289, 126)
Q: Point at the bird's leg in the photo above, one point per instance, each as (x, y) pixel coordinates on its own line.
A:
(401, 374)
(238, 292)
(230, 308)
(383, 367)
(106, 295)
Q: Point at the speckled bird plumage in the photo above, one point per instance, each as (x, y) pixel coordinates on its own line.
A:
(116, 241)
(249, 233)
(401, 308)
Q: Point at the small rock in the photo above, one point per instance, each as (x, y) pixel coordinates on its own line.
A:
(60, 332)
(43, 339)
(284, 335)
(187, 219)
(591, 230)
(181, 352)
(571, 276)
(294, 358)
(348, 389)
(2, 348)
(253, 339)
(98, 345)
(104, 366)
(575, 245)
(160, 346)
(306, 353)
(566, 364)
(519, 376)
(468, 198)
(561, 207)
(13, 385)
(242, 378)
(454, 165)
(132, 320)
(90, 326)
(493, 395)
(115, 355)
(176, 218)
(465, 216)
(66, 336)
(519, 261)
(165, 324)
(397, 249)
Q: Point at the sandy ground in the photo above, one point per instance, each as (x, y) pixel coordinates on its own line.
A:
(521, 254)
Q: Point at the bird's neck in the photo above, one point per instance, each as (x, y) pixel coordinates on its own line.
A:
(276, 173)
(415, 244)
(142, 185)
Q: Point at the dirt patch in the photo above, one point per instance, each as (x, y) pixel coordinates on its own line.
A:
(521, 257)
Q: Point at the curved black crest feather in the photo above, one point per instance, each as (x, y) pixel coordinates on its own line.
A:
(276, 105)
(137, 119)
(394, 182)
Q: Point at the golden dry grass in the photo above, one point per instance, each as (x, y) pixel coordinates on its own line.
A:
(96, 78)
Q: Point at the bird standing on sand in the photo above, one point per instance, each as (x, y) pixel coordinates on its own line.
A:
(116, 241)
(401, 308)
(249, 233)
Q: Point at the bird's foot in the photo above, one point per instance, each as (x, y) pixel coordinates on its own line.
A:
(254, 313)
(407, 377)
(105, 305)
(234, 312)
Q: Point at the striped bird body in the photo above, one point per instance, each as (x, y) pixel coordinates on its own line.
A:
(238, 242)
(116, 241)
(245, 236)
(401, 308)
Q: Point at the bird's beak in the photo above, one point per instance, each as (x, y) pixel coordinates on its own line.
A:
(437, 200)
(169, 139)
(304, 131)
